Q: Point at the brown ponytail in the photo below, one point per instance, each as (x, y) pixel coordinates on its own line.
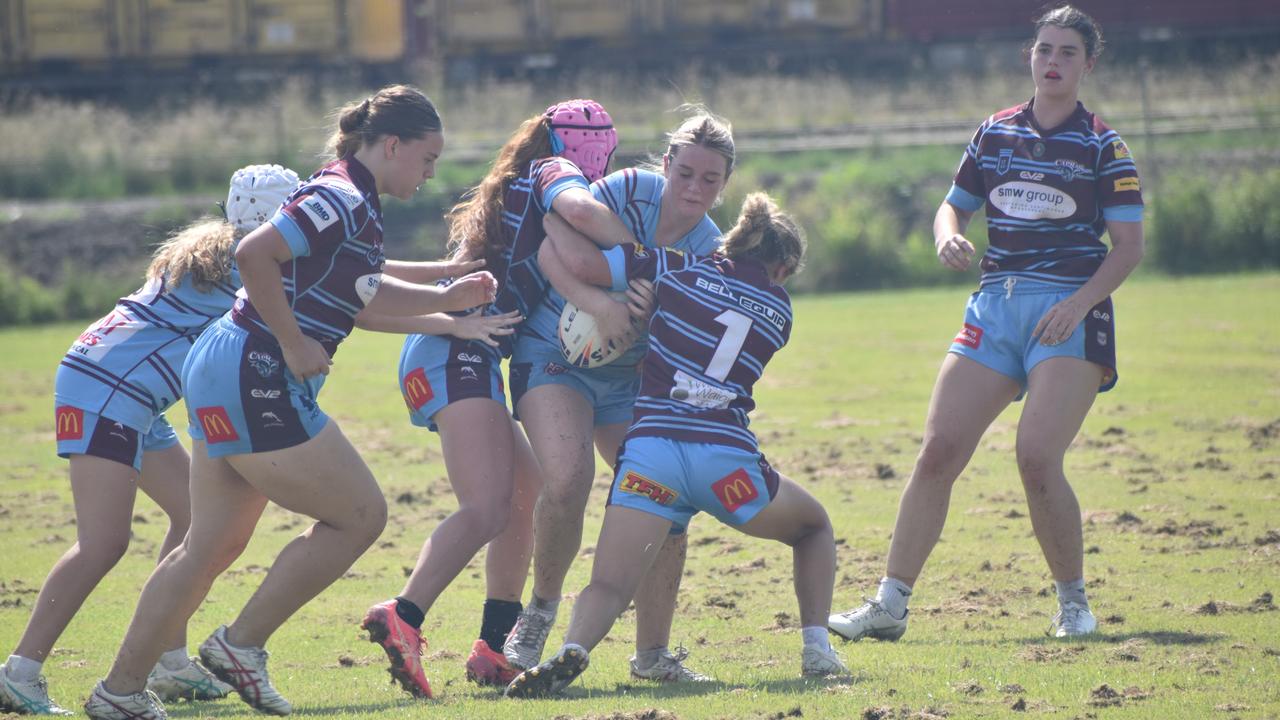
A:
(398, 110)
(766, 234)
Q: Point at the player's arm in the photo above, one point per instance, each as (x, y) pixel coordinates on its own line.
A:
(577, 255)
(953, 248)
(397, 297)
(1127, 248)
(592, 218)
(259, 256)
(429, 272)
(614, 319)
(485, 328)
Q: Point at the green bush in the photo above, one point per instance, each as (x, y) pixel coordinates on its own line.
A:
(24, 301)
(1232, 224)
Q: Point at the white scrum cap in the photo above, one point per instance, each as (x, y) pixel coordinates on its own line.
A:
(257, 191)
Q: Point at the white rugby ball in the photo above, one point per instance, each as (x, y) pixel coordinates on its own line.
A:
(580, 339)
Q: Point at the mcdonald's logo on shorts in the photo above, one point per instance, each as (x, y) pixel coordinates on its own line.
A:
(735, 490)
(69, 422)
(216, 425)
(637, 484)
(417, 389)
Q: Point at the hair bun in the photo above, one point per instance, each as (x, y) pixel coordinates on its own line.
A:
(757, 211)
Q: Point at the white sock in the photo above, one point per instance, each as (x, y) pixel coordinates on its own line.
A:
(648, 658)
(22, 669)
(893, 595)
(175, 659)
(545, 607)
(1071, 591)
(816, 635)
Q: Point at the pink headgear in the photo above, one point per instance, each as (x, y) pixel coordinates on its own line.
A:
(582, 131)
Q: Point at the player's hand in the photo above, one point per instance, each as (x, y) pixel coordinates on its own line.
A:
(470, 291)
(486, 328)
(1060, 321)
(613, 320)
(458, 268)
(642, 300)
(306, 357)
(954, 252)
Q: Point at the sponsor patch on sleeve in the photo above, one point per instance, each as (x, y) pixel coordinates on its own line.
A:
(1121, 150)
(1128, 183)
(321, 212)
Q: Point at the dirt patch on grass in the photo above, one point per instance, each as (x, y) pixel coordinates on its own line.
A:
(1263, 603)
(1262, 436)
(1050, 653)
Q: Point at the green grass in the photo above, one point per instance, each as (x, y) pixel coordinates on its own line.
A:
(1186, 444)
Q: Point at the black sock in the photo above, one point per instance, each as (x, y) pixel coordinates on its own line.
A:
(410, 613)
(499, 618)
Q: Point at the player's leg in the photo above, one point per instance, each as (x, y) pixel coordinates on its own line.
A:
(628, 544)
(1060, 392)
(103, 492)
(506, 570)
(796, 518)
(558, 421)
(475, 436)
(657, 596)
(165, 478)
(226, 511)
(323, 478)
(967, 397)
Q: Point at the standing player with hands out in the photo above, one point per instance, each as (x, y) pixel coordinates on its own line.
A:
(251, 384)
(1053, 178)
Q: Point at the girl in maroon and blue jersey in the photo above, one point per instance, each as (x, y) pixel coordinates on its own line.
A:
(719, 320)
(564, 407)
(452, 384)
(1053, 179)
(251, 383)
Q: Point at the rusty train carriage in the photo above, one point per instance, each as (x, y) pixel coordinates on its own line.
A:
(123, 36)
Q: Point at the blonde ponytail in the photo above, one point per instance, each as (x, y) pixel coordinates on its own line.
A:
(202, 252)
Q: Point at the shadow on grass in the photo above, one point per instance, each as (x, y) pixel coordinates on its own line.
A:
(233, 706)
(1155, 637)
(669, 691)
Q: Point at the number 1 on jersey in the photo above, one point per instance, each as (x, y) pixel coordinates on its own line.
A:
(736, 327)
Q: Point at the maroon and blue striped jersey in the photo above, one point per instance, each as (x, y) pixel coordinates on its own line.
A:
(718, 323)
(333, 226)
(1048, 194)
(521, 284)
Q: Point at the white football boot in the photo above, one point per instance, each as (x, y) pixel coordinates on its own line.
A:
(871, 620)
(1073, 620)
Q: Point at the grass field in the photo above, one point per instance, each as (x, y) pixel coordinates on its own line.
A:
(1176, 471)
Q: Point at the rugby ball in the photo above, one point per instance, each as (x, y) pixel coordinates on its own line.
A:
(580, 339)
